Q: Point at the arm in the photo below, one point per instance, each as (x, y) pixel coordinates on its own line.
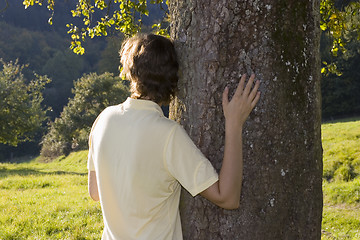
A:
(226, 192)
(93, 188)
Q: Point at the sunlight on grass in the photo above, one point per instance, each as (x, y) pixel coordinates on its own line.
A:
(341, 143)
(41, 200)
(48, 201)
(341, 184)
(341, 222)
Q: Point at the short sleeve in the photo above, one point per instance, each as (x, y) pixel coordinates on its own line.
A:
(187, 164)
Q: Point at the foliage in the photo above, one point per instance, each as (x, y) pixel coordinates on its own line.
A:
(122, 16)
(64, 67)
(342, 25)
(92, 93)
(47, 53)
(21, 110)
(340, 91)
(30, 47)
(126, 17)
(110, 59)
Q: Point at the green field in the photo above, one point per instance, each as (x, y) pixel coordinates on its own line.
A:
(341, 184)
(50, 201)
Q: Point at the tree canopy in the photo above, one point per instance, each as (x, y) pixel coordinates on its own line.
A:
(341, 21)
(99, 17)
(21, 110)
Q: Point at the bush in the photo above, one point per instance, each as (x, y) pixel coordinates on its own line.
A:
(21, 111)
(92, 94)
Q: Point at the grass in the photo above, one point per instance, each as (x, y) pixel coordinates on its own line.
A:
(341, 180)
(50, 201)
(341, 143)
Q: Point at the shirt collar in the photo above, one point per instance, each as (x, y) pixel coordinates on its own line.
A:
(142, 104)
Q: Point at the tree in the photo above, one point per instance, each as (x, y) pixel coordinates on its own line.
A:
(279, 41)
(110, 59)
(103, 16)
(92, 93)
(21, 110)
(64, 67)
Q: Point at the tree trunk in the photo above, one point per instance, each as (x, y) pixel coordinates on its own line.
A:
(278, 40)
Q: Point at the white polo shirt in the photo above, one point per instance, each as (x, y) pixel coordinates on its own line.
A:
(140, 158)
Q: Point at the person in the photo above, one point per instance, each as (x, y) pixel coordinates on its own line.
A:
(138, 159)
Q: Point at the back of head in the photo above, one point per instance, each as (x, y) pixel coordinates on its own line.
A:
(149, 61)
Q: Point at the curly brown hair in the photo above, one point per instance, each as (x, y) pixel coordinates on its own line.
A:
(149, 61)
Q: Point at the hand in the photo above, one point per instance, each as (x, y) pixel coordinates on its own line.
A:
(242, 103)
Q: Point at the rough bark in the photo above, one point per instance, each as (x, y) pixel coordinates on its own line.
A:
(278, 40)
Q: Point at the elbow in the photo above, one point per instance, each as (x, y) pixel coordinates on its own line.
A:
(94, 196)
(94, 193)
(93, 187)
(231, 205)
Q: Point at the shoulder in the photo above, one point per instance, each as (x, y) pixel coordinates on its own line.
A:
(170, 124)
(108, 111)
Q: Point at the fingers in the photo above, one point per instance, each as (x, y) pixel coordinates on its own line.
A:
(255, 100)
(247, 94)
(249, 85)
(240, 88)
(254, 91)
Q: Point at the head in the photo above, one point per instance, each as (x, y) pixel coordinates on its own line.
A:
(149, 61)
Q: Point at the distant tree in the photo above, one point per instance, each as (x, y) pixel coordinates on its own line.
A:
(109, 61)
(21, 110)
(63, 67)
(92, 93)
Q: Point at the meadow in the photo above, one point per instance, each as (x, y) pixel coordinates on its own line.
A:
(48, 200)
(341, 180)
(40, 200)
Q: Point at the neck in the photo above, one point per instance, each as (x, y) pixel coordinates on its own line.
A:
(134, 96)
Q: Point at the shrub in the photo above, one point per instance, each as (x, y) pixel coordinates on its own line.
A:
(92, 94)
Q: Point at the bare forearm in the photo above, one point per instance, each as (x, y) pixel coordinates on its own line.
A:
(230, 178)
(226, 192)
(92, 185)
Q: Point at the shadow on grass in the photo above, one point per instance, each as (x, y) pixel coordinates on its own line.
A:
(5, 172)
(341, 120)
